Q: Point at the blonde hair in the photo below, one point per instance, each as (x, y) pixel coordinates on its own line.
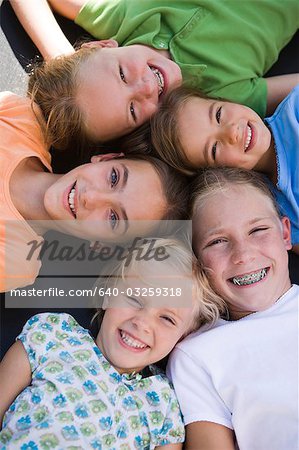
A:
(212, 180)
(165, 135)
(53, 87)
(207, 305)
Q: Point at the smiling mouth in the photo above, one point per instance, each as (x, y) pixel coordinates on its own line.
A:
(160, 79)
(71, 200)
(248, 138)
(250, 278)
(130, 341)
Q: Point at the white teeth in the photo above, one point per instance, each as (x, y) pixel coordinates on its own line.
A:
(130, 341)
(250, 278)
(71, 200)
(248, 139)
(160, 79)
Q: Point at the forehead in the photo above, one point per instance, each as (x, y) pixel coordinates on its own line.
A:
(233, 204)
(194, 105)
(143, 197)
(100, 96)
(173, 281)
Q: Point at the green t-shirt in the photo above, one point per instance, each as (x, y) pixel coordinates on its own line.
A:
(223, 47)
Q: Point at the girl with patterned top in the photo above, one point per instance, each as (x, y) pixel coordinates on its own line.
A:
(72, 391)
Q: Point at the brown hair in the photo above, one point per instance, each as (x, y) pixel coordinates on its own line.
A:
(165, 131)
(53, 87)
(212, 180)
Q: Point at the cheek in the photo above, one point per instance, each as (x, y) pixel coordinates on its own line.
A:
(211, 261)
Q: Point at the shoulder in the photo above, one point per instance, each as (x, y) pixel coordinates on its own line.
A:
(205, 334)
(51, 324)
(8, 98)
(289, 104)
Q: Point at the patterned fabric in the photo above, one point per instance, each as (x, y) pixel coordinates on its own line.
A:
(77, 400)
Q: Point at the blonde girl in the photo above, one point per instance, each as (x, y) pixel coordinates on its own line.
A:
(70, 389)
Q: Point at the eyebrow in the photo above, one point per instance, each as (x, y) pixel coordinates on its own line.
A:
(211, 111)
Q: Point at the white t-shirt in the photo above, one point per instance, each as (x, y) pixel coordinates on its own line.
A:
(244, 375)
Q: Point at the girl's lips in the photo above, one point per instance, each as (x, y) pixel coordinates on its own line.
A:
(65, 200)
(250, 279)
(253, 137)
(166, 82)
(129, 347)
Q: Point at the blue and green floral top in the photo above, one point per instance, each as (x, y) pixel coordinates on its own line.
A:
(77, 400)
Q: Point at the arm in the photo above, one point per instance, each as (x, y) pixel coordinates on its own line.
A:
(39, 22)
(15, 375)
(67, 8)
(169, 447)
(278, 88)
(209, 436)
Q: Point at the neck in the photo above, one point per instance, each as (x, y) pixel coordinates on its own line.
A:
(28, 185)
(267, 164)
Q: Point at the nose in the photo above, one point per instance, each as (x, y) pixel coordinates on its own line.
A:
(143, 321)
(145, 88)
(93, 198)
(242, 253)
(230, 133)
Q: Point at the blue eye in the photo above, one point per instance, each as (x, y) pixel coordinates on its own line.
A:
(122, 75)
(132, 112)
(214, 148)
(114, 177)
(218, 114)
(113, 219)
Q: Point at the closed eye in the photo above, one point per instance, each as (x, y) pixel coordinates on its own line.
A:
(168, 319)
(135, 302)
(218, 114)
(255, 230)
(214, 149)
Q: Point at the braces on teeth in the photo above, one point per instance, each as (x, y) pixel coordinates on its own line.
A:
(250, 278)
(160, 79)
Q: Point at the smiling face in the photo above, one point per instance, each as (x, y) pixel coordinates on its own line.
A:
(140, 330)
(243, 246)
(103, 199)
(120, 88)
(224, 134)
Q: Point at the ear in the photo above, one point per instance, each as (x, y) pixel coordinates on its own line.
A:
(106, 157)
(286, 232)
(107, 43)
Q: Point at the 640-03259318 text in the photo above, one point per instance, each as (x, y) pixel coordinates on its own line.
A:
(110, 292)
